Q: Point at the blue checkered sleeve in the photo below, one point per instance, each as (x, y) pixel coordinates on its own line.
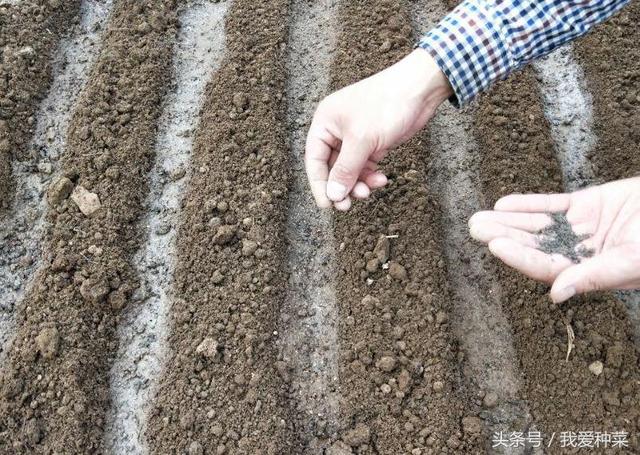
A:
(482, 41)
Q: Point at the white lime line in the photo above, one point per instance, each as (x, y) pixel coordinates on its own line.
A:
(308, 327)
(22, 231)
(481, 325)
(568, 108)
(144, 329)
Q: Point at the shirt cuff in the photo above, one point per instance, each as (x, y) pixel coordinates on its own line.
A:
(470, 49)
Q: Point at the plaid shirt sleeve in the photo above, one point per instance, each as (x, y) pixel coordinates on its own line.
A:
(482, 41)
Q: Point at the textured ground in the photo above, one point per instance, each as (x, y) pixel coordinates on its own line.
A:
(168, 287)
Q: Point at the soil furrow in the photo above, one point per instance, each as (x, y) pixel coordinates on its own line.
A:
(223, 389)
(517, 156)
(29, 34)
(22, 232)
(401, 387)
(568, 109)
(308, 323)
(144, 328)
(479, 321)
(614, 81)
(54, 383)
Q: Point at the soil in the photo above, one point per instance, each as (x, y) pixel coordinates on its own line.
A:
(400, 375)
(235, 398)
(29, 34)
(54, 387)
(559, 238)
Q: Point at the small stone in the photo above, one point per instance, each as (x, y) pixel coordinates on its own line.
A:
(397, 271)
(224, 235)
(177, 173)
(385, 46)
(87, 202)
(472, 425)
(208, 348)
(94, 290)
(381, 251)
(33, 431)
(48, 342)
(386, 363)
(438, 386)
(195, 448)
(240, 101)
(339, 448)
(385, 388)
(26, 52)
(596, 367)
(59, 191)
(615, 354)
(357, 436)
(490, 400)
(217, 277)
(249, 247)
(217, 430)
(45, 168)
(372, 265)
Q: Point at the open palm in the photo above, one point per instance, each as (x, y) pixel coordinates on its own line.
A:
(608, 216)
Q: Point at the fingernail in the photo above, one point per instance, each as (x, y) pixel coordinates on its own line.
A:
(336, 191)
(564, 294)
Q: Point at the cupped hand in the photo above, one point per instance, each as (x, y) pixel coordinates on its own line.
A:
(354, 128)
(607, 215)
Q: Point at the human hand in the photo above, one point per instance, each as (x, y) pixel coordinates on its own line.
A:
(354, 128)
(608, 216)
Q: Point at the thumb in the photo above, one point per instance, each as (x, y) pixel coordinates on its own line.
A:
(344, 174)
(613, 269)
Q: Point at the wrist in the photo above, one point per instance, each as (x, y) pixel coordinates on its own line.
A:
(432, 83)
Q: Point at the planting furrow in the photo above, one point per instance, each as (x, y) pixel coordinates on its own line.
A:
(54, 382)
(479, 321)
(29, 34)
(223, 389)
(567, 107)
(614, 81)
(22, 232)
(144, 328)
(517, 156)
(401, 388)
(308, 323)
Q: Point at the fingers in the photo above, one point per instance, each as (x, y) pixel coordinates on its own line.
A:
(533, 263)
(344, 174)
(618, 268)
(486, 231)
(317, 154)
(534, 203)
(530, 222)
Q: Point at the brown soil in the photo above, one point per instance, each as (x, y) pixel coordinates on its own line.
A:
(613, 80)
(29, 34)
(54, 388)
(400, 378)
(518, 156)
(233, 400)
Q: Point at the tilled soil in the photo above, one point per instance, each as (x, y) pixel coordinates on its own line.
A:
(238, 375)
(29, 34)
(54, 380)
(224, 389)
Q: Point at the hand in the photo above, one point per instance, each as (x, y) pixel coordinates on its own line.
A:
(609, 215)
(354, 128)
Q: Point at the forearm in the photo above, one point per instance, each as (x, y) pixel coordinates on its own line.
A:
(483, 41)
